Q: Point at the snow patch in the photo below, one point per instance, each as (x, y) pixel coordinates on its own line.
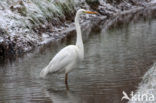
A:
(1, 39)
(148, 85)
(153, 1)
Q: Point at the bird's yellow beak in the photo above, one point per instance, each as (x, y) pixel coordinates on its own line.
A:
(90, 12)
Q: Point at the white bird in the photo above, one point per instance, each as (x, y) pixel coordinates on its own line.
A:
(67, 58)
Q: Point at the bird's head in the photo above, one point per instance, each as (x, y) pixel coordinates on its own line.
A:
(83, 11)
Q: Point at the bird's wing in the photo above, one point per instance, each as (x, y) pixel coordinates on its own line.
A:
(60, 60)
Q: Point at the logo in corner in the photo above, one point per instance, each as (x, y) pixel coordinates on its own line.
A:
(125, 96)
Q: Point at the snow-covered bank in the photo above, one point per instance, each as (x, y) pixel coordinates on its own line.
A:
(146, 92)
(28, 23)
(25, 24)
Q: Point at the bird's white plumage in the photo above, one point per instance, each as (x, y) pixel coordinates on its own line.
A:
(65, 59)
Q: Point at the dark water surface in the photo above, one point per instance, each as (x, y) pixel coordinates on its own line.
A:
(115, 60)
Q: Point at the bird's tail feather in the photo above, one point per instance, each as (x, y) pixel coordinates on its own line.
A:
(44, 72)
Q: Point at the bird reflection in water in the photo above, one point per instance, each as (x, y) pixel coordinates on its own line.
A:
(63, 96)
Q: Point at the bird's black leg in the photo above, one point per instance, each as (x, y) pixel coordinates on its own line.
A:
(66, 81)
(66, 78)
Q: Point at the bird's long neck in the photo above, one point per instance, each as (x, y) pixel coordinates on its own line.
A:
(79, 42)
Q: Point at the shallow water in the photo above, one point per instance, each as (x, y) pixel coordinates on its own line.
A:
(115, 60)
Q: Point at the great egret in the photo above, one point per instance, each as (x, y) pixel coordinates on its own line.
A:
(67, 58)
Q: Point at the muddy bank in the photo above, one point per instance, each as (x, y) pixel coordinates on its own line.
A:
(27, 24)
